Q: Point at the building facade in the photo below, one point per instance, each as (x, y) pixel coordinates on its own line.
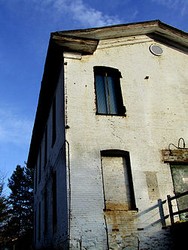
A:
(109, 138)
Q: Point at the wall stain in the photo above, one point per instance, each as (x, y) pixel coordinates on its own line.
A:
(121, 226)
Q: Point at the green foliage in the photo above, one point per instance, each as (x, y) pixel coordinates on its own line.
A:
(19, 206)
(3, 210)
(2, 203)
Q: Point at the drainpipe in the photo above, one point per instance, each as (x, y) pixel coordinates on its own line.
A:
(67, 151)
(69, 187)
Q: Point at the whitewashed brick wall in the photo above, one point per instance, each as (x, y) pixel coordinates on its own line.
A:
(154, 90)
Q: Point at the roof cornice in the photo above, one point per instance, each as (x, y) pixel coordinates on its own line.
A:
(72, 43)
(86, 40)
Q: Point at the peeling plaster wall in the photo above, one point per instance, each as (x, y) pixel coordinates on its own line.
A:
(155, 94)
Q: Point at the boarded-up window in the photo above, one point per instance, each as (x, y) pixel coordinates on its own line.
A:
(118, 190)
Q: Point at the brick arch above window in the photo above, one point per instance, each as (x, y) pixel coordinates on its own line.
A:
(114, 152)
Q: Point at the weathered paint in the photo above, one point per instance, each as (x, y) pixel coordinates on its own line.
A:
(154, 90)
(175, 156)
(156, 115)
(152, 185)
(121, 228)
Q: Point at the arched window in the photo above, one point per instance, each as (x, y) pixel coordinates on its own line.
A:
(117, 180)
(108, 91)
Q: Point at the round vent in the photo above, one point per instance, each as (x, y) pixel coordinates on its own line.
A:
(156, 49)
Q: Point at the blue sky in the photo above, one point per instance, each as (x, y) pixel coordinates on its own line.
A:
(25, 27)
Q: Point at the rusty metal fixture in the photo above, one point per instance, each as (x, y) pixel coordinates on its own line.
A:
(181, 140)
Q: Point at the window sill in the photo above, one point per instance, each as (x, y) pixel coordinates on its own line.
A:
(122, 115)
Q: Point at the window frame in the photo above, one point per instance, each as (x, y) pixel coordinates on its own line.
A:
(116, 100)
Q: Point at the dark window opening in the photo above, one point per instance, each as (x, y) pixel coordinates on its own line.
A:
(39, 221)
(108, 91)
(36, 177)
(54, 200)
(45, 211)
(35, 226)
(39, 165)
(54, 122)
(45, 146)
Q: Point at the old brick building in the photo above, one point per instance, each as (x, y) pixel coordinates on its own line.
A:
(112, 106)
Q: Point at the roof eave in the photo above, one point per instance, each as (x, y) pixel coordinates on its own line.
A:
(68, 43)
(85, 42)
(155, 27)
(53, 65)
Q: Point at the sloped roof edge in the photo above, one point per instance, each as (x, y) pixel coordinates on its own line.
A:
(122, 30)
(85, 41)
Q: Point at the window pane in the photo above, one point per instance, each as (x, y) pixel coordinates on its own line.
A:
(180, 181)
(108, 91)
(112, 100)
(101, 96)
